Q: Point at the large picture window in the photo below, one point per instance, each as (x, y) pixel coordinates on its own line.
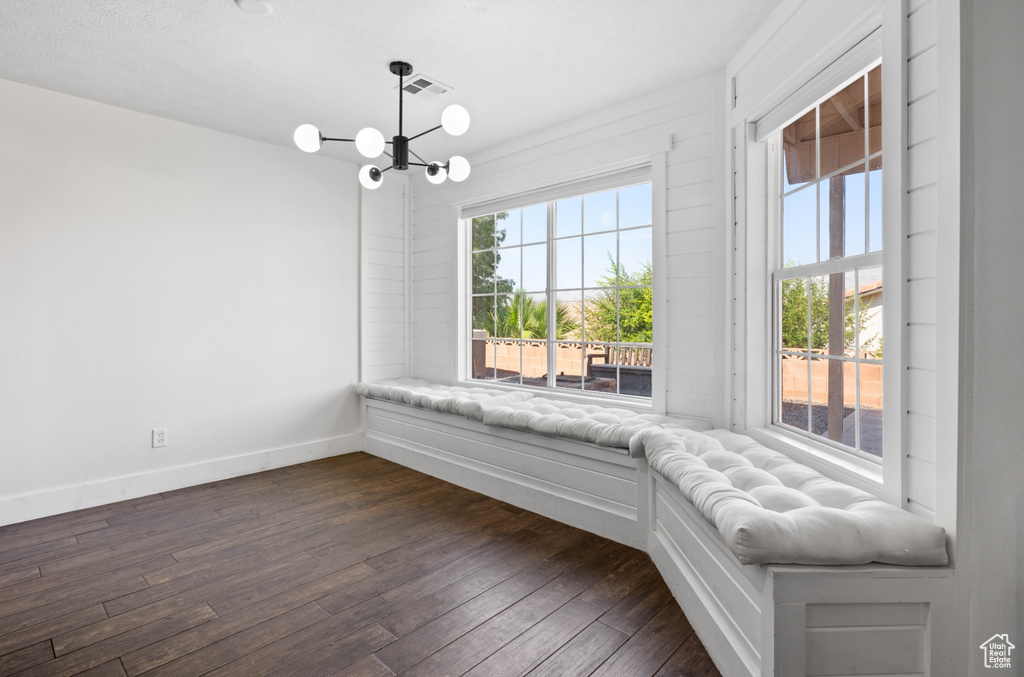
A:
(562, 293)
(828, 279)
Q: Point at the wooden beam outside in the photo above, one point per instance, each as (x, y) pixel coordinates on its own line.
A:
(836, 306)
(849, 109)
(837, 151)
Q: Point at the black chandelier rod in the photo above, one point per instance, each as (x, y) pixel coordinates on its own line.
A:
(432, 129)
(401, 116)
(416, 155)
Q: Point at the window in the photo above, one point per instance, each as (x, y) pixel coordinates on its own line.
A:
(828, 279)
(562, 289)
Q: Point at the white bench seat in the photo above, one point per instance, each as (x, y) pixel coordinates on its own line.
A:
(594, 423)
(770, 509)
(598, 424)
(446, 399)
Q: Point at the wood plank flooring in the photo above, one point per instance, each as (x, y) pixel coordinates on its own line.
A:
(349, 566)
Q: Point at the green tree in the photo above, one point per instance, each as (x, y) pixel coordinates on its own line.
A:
(635, 318)
(526, 311)
(485, 268)
(795, 315)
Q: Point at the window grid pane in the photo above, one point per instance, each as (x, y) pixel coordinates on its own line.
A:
(600, 256)
(828, 345)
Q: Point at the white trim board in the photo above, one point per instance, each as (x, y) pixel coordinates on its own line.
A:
(23, 507)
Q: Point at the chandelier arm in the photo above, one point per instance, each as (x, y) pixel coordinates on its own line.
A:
(419, 164)
(432, 129)
(325, 138)
(413, 153)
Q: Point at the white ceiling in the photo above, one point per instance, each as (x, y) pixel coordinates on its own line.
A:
(516, 65)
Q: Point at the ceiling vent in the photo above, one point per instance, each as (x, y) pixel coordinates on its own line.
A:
(424, 87)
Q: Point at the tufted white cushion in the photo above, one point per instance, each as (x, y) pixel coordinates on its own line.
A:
(468, 402)
(603, 425)
(771, 509)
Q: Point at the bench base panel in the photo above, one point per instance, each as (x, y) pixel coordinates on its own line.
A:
(783, 620)
(582, 485)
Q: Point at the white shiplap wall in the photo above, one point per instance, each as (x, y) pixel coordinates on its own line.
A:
(799, 40)
(921, 230)
(385, 305)
(682, 118)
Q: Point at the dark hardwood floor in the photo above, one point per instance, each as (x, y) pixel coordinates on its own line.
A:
(346, 566)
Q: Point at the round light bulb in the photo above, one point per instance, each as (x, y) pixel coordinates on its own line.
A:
(458, 168)
(439, 176)
(366, 177)
(370, 142)
(307, 138)
(455, 120)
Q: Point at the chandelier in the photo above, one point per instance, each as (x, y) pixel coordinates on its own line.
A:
(370, 142)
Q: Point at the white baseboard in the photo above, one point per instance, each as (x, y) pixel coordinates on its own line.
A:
(23, 507)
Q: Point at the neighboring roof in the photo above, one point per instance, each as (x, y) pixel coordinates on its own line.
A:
(869, 289)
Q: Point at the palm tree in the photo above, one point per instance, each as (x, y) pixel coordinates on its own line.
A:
(526, 313)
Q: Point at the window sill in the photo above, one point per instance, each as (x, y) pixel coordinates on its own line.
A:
(643, 406)
(848, 469)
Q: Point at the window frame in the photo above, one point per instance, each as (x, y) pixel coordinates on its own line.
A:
(654, 168)
(780, 273)
(752, 239)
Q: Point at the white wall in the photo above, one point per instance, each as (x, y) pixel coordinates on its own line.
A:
(690, 115)
(156, 274)
(384, 308)
(920, 285)
(994, 480)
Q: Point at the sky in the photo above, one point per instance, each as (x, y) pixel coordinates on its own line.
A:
(806, 210)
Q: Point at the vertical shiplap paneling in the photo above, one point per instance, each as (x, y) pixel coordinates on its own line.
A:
(384, 273)
(570, 150)
(920, 256)
(690, 226)
(434, 287)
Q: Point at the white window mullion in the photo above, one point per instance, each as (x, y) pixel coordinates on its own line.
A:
(552, 296)
(810, 359)
(843, 265)
(583, 294)
(856, 362)
(817, 187)
(867, 169)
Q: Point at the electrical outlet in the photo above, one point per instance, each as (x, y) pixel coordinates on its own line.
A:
(159, 437)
